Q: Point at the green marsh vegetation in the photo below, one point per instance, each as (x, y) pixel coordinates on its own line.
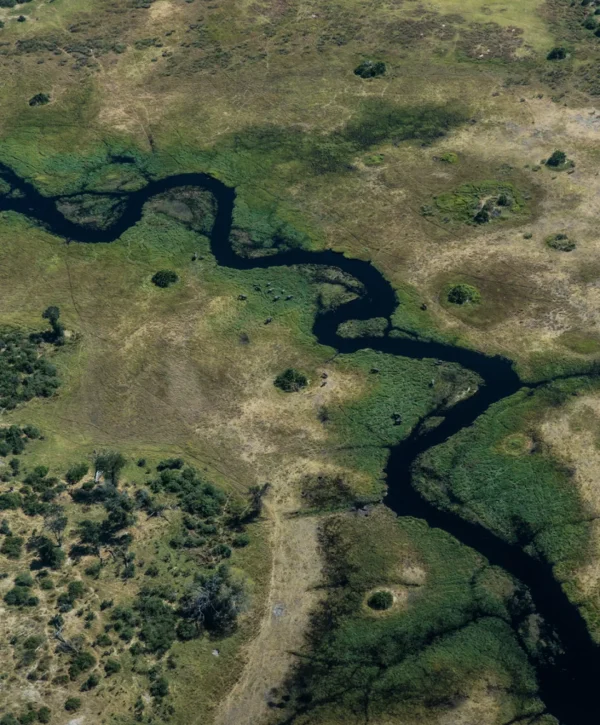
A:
(478, 203)
(499, 474)
(451, 632)
(561, 242)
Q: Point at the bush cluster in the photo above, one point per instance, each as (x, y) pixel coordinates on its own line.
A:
(291, 380)
(164, 278)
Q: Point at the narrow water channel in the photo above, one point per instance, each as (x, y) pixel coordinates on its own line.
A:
(567, 680)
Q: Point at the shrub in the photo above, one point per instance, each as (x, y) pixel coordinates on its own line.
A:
(558, 158)
(103, 640)
(44, 714)
(24, 579)
(171, 464)
(241, 540)
(482, 216)
(9, 501)
(21, 597)
(91, 682)
(152, 570)
(72, 704)
(291, 380)
(590, 24)
(462, 294)
(370, 69)
(9, 718)
(164, 278)
(12, 546)
(81, 662)
(160, 687)
(157, 621)
(221, 550)
(187, 630)
(76, 589)
(558, 53)
(561, 243)
(111, 666)
(380, 600)
(40, 99)
(215, 602)
(76, 473)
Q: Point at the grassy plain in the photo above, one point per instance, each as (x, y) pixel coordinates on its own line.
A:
(263, 95)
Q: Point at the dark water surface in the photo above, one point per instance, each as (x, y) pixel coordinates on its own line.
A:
(567, 680)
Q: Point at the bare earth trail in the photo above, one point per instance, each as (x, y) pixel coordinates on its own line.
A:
(293, 594)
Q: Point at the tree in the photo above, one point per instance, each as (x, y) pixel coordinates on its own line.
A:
(558, 53)
(462, 294)
(52, 314)
(558, 158)
(164, 278)
(215, 602)
(291, 380)
(49, 554)
(56, 524)
(40, 99)
(90, 534)
(76, 473)
(370, 69)
(72, 704)
(110, 464)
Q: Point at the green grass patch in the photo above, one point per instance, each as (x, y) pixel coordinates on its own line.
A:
(483, 202)
(424, 655)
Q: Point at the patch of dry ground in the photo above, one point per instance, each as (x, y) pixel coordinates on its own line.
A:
(573, 433)
(293, 595)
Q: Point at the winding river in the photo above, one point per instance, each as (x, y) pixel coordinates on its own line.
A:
(567, 680)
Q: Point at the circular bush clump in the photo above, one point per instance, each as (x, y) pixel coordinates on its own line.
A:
(164, 278)
(370, 69)
(561, 243)
(464, 294)
(380, 600)
(558, 159)
(291, 380)
(557, 54)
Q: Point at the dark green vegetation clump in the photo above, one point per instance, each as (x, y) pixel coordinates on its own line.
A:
(291, 380)
(561, 243)
(40, 99)
(380, 600)
(25, 371)
(370, 69)
(478, 203)
(463, 294)
(164, 278)
(558, 53)
(558, 161)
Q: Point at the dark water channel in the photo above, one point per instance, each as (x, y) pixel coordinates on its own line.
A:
(567, 679)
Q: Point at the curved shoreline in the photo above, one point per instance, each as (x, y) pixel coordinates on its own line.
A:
(566, 681)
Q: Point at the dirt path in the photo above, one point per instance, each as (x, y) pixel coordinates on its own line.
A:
(296, 571)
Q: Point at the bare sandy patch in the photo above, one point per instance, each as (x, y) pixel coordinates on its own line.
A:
(293, 594)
